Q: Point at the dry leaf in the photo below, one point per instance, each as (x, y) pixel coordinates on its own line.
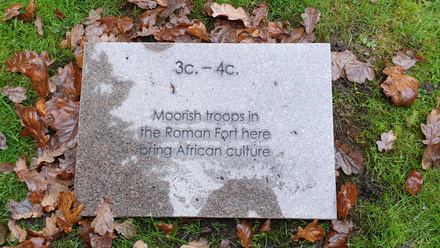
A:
(414, 182)
(431, 156)
(260, 14)
(25, 209)
(31, 243)
(312, 232)
(407, 59)
(198, 30)
(140, 244)
(431, 129)
(350, 162)
(35, 126)
(144, 4)
(29, 12)
(231, 13)
(168, 229)
(50, 231)
(65, 202)
(99, 241)
(16, 95)
(3, 146)
(245, 233)
(402, 89)
(387, 141)
(64, 119)
(225, 244)
(34, 180)
(6, 168)
(94, 15)
(3, 232)
(12, 11)
(342, 226)
(126, 228)
(104, 221)
(346, 199)
(34, 66)
(17, 233)
(358, 71)
(311, 16)
(59, 14)
(55, 187)
(266, 226)
(336, 240)
(201, 243)
(68, 80)
(39, 24)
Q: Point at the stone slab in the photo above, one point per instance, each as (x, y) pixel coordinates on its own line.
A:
(207, 130)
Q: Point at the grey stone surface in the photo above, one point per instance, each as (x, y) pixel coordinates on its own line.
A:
(211, 130)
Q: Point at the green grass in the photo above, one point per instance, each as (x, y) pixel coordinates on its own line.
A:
(385, 214)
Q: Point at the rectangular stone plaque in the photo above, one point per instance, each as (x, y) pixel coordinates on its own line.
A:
(207, 130)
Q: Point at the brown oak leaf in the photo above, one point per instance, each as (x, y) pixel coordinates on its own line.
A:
(12, 11)
(342, 226)
(225, 31)
(17, 233)
(168, 229)
(245, 233)
(29, 12)
(345, 64)
(225, 244)
(260, 14)
(266, 226)
(34, 124)
(34, 180)
(311, 16)
(346, 199)
(104, 241)
(149, 17)
(34, 66)
(65, 202)
(6, 168)
(184, 7)
(407, 59)
(231, 13)
(336, 240)
(64, 119)
(126, 228)
(59, 14)
(16, 95)
(350, 162)
(68, 81)
(402, 89)
(51, 231)
(431, 129)
(431, 156)
(140, 244)
(24, 209)
(55, 187)
(201, 243)
(3, 232)
(94, 15)
(144, 4)
(39, 24)
(312, 232)
(387, 141)
(414, 182)
(198, 30)
(3, 144)
(104, 221)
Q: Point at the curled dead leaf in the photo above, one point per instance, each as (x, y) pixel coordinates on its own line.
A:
(39, 24)
(245, 233)
(266, 226)
(70, 216)
(144, 4)
(231, 13)
(342, 226)
(414, 182)
(350, 162)
(198, 30)
(311, 233)
(12, 11)
(35, 126)
(140, 244)
(168, 229)
(17, 233)
(402, 89)
(387, 141)
(104, 221)
(225, 244)
(6, 168)
(126, 228)
(49, 232)
(29, 12)
(336, 240)
(59, 14)
(346, 199)
(3, 144)
(100, 241)
(311, 16)
(17, 95)
(24, 209)
(94, 15)
(407, 59)
(431, 129)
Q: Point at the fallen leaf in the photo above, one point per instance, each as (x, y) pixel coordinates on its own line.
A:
(140, 244)
(167, 228)
(266, 226)
(245, 233)
(402, 89)
(6, 168)
(34, 180)
(3, 144)
(350, 162)
(55, 187)
(31, 243)
(169, 34)
(65, 202)
(126, 228)
(16, 95)
(149, 17)
(225, 31)
(34, 66)
(431, 129)
(198, 30)
(346, 199)
(358, 71)
(17, 233)
(311, 16)
(312, 232)
(24, 209)
(39, 24)
(342, 226)
(260, 14)
(176, 4)
(339, 60)
(407, 59)
(336, 240)
(59, 14)
(387, 141)
(99, 241)
(68, 80)
(231, 13)
(3, 232)
(414, 182)
(64, 119)
(206, 231)
(225, 244)
(35, 126)
(94, 15)
(12, 11)
(49, 232)
(144, 4)
(104, 221)
(431, 156)
(29, 12)
(201, 243)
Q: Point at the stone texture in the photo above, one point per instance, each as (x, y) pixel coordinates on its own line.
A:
(175, 165)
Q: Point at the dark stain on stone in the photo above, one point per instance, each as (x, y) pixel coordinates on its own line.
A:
(105, 165)
(238, 197)
(158, 47)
